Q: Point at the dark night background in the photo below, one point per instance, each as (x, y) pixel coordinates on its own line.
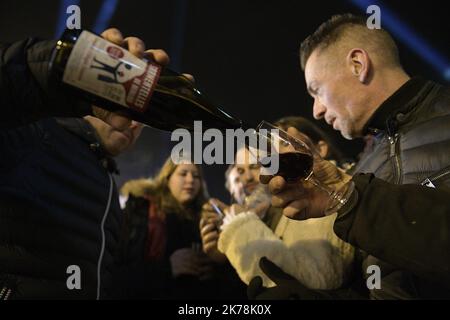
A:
(243, 54)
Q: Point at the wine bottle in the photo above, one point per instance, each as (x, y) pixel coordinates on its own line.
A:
(110, 77)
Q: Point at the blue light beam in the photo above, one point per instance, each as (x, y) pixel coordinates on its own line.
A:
(403, 32)
(62, 15)
(104, 16)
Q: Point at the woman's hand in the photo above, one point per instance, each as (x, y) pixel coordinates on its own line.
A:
(185, 261)
(209, 232)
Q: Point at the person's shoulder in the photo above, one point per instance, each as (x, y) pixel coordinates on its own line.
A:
(138, 188)
(433, 101)
(437, 90)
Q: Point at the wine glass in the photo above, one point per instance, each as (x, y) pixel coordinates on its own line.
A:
(281, 154)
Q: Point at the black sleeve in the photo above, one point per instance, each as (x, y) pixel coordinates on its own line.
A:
(135, 277)
(25, 92)
(134, 231)
(405, 225)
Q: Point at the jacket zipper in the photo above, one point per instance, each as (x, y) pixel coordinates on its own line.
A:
(440, 175)
(5, 293)
(7, 286)
(394, 157)
(434, 177)
(102, 230)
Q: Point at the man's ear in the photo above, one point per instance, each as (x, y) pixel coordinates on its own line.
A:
(359, 63)
(323, 148)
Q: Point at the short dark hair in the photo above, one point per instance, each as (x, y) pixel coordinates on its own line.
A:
(331, 31)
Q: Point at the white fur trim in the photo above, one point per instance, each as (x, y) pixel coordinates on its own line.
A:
(315, 262)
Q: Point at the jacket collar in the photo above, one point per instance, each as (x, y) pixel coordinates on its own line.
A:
(87, 133)
(384, 117)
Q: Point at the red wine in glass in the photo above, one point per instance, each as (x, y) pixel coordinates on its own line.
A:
(296, 158)
(293, 166)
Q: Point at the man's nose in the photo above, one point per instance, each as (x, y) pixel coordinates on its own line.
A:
(318, 109)
(136, 127)
(248, 176)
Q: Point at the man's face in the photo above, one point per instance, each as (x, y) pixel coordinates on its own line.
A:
(337, 93)
(119, 136)
(236, 187)
(248, 170)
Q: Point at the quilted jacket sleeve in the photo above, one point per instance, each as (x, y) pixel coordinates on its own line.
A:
(26, 94)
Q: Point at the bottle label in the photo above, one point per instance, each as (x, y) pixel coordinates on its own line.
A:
(111, 72)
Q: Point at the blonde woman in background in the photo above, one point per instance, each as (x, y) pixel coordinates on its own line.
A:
(162, 238)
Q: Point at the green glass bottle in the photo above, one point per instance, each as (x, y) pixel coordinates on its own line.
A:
(110, 77)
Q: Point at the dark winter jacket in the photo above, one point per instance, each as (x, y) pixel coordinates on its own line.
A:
(59, 209)
(402, 225)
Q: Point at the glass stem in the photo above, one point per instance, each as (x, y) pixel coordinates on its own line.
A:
(337, 198)
(319, 185)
